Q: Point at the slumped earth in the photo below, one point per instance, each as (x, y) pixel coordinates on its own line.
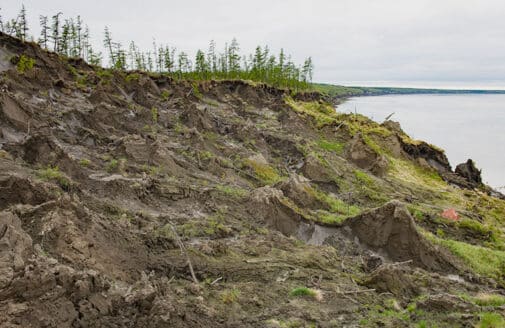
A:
(135, 200)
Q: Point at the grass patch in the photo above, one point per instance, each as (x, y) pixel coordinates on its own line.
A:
(84, 162)
(484, 299)
(491, 320)
(322, 113)
(410, 173)
(231, 191)
(112, 165)
(306, 292)
(132, 77)
(165, 94)
(54, 174)
(331, 146)
(105, 75)
(230, 296)
(482, 260)
(264, 172)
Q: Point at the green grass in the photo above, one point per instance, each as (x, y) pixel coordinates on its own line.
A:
(154, 115)
(484, 299)
(363, 178)
(491, 320)
(84, 162)
(25, 64)
(53, 174)
(331, 146)
(165, 94)
(112, 165)
(234, 192)
(132, 77)
(482, 260)
(264, 172)
(322, 113)
(230, 296)
(305, 292)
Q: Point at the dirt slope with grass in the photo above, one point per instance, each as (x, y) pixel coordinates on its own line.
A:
(135, 200)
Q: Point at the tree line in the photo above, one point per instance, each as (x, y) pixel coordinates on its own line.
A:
(70, 37)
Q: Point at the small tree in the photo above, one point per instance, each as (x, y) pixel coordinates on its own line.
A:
(44, 31)
(55, 31)
(22, 23)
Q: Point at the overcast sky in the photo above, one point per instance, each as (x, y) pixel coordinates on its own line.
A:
(394, 42)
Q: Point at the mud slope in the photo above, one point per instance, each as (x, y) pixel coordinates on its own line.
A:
(136, 200)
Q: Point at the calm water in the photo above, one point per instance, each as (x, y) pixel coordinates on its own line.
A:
(466, 126)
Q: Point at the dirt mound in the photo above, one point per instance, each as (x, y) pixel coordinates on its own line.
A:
(398, 280)
(269, 204)
(365, 157)
(391, 231)
(298, 189)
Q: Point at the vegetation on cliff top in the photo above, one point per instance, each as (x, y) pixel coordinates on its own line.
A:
(70, 37)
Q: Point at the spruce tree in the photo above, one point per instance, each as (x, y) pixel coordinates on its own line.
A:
(55, 31)
(44, 31)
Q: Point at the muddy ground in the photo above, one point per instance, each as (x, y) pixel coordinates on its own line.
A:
(135, 200)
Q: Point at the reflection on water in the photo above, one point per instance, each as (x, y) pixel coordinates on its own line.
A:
(466, 126)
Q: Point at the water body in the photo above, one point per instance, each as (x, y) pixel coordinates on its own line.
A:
(466, 126)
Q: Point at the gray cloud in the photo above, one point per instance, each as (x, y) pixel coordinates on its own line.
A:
(359, 40)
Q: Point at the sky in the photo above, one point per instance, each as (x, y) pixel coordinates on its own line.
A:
(431, 43)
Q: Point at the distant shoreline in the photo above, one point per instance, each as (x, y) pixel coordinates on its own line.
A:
(339, 91)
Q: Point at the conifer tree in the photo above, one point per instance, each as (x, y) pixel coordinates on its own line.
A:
(55, 31)
(211, 57)
(44, 31)
(107, 43)
(233, 58)
(22, 23)
(201, 66)
(2, 29)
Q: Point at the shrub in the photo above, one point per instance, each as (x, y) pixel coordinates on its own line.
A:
(132, 77)
(165, 94)
(230, 296)
(25, 64)
(112, 165)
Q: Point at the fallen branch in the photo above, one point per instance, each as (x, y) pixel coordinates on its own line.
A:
(185, 252)
(402, 263)
(359, 291)
(216, 281)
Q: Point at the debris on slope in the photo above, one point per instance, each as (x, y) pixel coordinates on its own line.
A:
(104, 175)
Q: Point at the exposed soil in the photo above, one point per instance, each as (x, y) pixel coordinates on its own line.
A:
(135, 200)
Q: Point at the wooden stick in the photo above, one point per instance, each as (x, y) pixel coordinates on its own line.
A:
(356, 291)
(184, 251)
(215, 281)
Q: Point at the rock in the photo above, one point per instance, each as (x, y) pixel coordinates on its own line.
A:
(469, 172)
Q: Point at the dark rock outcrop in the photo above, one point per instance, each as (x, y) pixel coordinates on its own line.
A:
(469, 172)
